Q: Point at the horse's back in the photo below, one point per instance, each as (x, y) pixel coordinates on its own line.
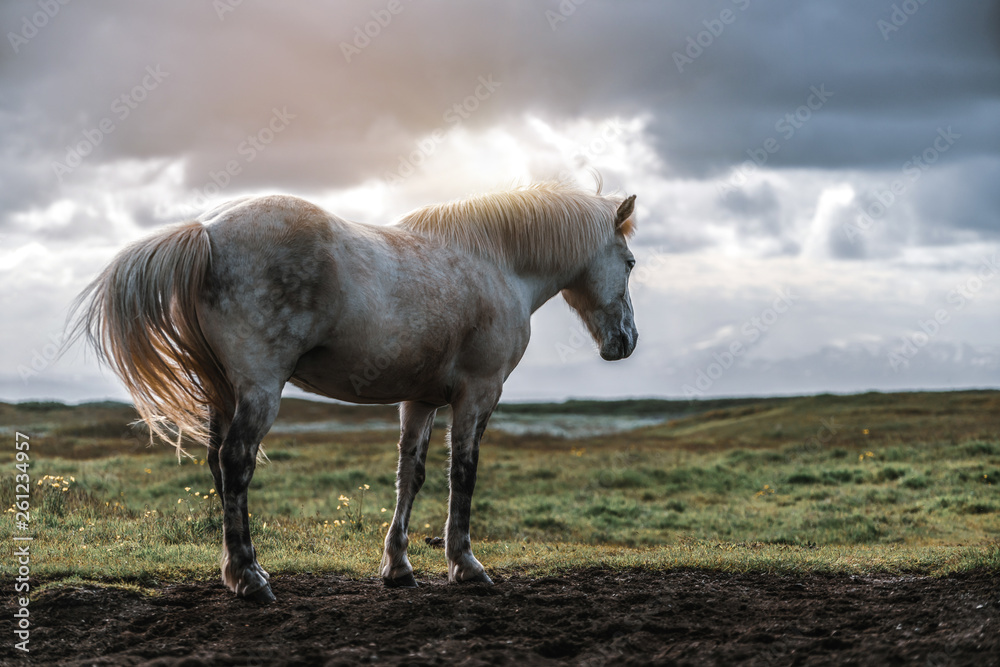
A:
(327, 298)
(269, 222)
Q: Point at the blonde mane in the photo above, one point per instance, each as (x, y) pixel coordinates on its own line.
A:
(538, 227)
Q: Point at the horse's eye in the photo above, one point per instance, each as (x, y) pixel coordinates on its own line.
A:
(630, 263)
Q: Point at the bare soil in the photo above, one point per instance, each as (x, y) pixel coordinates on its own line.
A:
(590, 617)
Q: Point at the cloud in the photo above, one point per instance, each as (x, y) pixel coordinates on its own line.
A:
(785, 130)
(354, 117)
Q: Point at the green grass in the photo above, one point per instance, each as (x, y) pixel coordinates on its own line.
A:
(889, 500)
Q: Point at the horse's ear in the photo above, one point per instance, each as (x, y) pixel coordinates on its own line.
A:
(624, 212)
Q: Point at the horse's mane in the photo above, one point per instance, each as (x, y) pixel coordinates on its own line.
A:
(533, 228)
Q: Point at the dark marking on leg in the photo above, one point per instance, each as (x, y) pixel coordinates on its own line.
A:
(463, 484)
(237, 459)
(468, 425)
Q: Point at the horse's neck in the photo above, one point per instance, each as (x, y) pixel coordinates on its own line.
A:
(537, 289)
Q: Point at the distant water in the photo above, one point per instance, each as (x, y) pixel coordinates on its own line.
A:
(333, 426)
(559, 426)
(569, 426)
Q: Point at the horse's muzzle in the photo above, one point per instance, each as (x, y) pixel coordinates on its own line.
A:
(619, 347)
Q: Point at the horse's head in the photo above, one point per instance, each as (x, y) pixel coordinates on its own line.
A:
(600, 292)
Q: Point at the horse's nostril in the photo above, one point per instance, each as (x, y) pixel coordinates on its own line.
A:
(623, 340)
(628, 341)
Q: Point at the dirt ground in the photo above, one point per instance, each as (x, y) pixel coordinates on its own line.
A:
(592, 617)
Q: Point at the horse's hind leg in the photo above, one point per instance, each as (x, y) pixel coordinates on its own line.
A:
(218, 426)
(255, 412)
(416, 421)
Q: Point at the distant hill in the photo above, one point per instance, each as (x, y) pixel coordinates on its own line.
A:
(98, 429)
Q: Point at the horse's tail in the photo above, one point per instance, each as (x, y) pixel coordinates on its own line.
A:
(141, 317)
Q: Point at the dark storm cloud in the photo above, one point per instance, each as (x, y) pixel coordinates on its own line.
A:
(757, 210)
(940, 68)
(225, 77)
(963, 200)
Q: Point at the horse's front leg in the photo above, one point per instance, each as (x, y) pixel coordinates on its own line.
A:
(416, 421)
(237, 458)
(468, 423)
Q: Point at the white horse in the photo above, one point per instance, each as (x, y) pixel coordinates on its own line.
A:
(206, 321)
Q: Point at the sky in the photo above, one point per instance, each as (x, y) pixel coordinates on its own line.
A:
(818, 206)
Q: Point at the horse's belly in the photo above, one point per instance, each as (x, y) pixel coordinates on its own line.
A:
(381, 375)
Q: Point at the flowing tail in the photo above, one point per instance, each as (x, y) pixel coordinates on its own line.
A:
(141, 317)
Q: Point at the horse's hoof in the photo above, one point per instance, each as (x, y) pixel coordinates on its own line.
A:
(261, 595)
(481, 578)
(406, 581)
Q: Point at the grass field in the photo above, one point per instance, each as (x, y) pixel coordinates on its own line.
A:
(874, 482)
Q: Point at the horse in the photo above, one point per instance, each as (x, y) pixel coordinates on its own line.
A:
(204, 322)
